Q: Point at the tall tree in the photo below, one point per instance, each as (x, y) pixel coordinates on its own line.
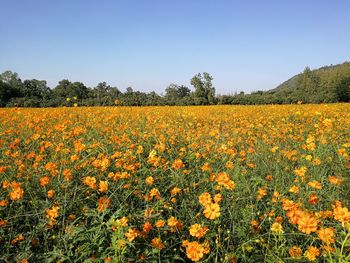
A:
(66, 89)
(204, 91)
(343, 90)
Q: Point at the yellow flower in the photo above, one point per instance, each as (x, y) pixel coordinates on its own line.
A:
(212, 211)
(294, 189)
(103, 186)
(315, 184)
(52, 213)
(131, 234)
(149, 180)
(277, 228)
(301, 171)
(312, 253)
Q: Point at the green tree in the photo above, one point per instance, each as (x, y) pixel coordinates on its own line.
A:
(204, 93)
(343, 90)
(36, 88)
(174, 94)
(66, 89)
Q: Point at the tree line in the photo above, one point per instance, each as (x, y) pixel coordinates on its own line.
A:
(35, 93)
(325, 85)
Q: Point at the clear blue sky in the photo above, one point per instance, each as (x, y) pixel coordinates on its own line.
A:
(245, 45)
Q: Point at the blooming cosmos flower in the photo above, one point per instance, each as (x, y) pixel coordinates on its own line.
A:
(194, 251)
(341, 214)
(197, 230)
(312, 253)
(212, 211)
(103, 186)
(307, 223)
(157, 243)
(131, 234)
(103, 203)
(277, 228)
(205, 199)
(295, 252)
(326, 235)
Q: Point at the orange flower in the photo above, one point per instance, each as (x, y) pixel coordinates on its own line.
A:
(294, 215)
(90, 181)
(160, 223)
(198, 230)
(212, 211)
(44, 181)
(147, 226)
(154, 193)
(205, 199)
(224, 180)
(17, 192)
(206, 167)
(67, 174)
(157, 243)
(172, 221)
(103, 204)
(5, 184)
(50, 193)
(261, 193)
(131, 234)
(341, 214)
(3, 203)
(178, 164)
(149, 180)
(275, 196)
(313, 199)
(175, 191)
(194, 251)
(312, 253)
(269, 177)
(217, 198)
(326, 235)
(307, 223)
(295, 252)
(52, 213)
(3, 223)
(103, 186)
(335, 180)
(288, 204)
(18, 238)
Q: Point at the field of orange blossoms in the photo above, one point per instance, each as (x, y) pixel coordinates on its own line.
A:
(175, 184)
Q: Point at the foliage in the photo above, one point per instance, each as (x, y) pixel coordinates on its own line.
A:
(325, 85)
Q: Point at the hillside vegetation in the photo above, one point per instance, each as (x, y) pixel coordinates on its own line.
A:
(324, 85)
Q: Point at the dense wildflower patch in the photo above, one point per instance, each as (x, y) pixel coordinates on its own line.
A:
(171, 184)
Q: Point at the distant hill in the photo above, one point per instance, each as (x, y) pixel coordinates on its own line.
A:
(325, 84)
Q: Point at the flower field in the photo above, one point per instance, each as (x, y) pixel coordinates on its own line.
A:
(175, 184)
